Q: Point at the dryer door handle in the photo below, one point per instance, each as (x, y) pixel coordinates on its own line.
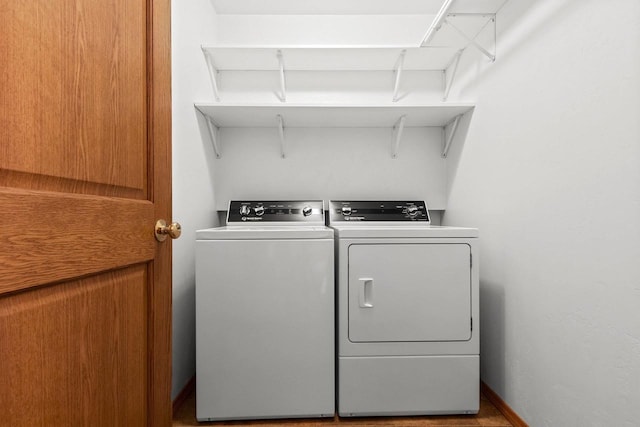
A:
(366, 292)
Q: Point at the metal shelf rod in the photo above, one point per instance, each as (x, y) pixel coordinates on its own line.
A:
(448, 84)
(449, 139)
(472, 41)
(282, 79)
(213, 131)
(437, 22)
(212, 73)
(398, 70)
(281, 132)
(397, 128)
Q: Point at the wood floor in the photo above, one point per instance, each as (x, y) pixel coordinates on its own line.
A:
(489, 416)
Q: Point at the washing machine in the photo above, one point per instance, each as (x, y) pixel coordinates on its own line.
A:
(408, 316)
(265, 317)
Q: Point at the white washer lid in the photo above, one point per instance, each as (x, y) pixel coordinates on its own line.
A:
(266, 232)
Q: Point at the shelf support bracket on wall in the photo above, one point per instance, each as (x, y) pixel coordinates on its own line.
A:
(213, 131)
(472, 41)
(283, 86)
(448, 84)
(213, 71)
(398, 70)
(437, 22)
(449, 138)
(397, 130)
(281, 131)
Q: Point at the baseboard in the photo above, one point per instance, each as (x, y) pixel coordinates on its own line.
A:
(502, 406)
(184, 393)
(491, 395)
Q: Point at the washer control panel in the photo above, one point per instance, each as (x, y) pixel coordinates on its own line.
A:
(387, 211)
(276, 211)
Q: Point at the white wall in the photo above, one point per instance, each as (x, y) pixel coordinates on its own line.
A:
(193, 22)
(322, 29)
(550, 173)
(330, 163)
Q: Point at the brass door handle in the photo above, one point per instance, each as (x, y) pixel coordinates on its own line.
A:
(163, 230)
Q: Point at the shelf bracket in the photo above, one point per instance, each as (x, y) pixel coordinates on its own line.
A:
(397, 130)
(449, 139)
(213, 71)
(281, 131)
(213, 131)
(472, 41)
(437, 22)
(454, 63)
(283, 86)
(398, 71)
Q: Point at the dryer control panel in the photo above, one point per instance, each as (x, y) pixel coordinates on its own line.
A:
(386, 211)
(298, 212)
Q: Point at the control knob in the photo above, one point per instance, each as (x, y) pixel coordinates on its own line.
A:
(259, 210)
(412, 210)
(245, 210)
(346, 210)
(306, 211)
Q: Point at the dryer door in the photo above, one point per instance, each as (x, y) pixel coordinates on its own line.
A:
(409, 292)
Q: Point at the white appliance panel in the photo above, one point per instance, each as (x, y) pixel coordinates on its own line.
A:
(267, 232)
(347, 347)
(409, 292)
(265, 328)
(414, 385)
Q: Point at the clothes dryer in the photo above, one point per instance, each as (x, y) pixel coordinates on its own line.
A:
(265, 313)
(408, 316)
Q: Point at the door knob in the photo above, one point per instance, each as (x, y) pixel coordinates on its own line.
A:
(163, 230)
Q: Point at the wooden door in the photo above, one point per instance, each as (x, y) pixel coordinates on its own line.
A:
(85, 289)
